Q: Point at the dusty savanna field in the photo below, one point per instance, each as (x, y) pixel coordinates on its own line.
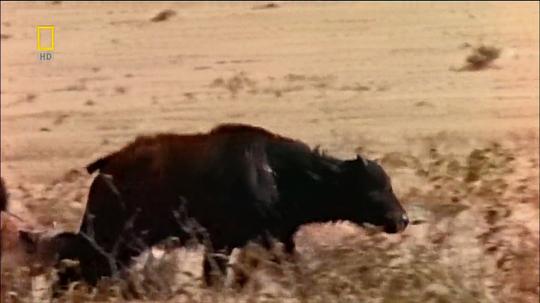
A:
(388, 80)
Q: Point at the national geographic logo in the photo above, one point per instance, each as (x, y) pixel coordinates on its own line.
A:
(45, 42)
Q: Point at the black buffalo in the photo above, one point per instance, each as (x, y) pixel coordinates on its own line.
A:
(237, 182)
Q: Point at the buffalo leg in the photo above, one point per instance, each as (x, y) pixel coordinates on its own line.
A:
(289, 246)
(287, 238)
(215, 266)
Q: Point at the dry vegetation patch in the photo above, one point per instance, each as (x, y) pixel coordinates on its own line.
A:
(470, 242)
(482, 57)
(163, 15)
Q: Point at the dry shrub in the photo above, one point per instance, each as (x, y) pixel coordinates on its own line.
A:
(266, 6)
(481, 58)
(163, 15)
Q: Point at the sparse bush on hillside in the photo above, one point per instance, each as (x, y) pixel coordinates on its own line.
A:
(163, 15)
(481, 58)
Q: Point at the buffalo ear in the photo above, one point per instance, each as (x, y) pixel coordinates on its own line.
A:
(354, 167)
(362, 161)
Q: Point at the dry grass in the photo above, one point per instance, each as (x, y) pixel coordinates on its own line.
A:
(469, 243)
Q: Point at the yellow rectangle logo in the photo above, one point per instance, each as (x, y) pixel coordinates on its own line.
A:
(44, 28)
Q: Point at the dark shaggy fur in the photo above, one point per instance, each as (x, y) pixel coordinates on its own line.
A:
(229, 186)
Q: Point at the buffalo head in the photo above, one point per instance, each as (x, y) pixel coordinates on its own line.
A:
(368, 195)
